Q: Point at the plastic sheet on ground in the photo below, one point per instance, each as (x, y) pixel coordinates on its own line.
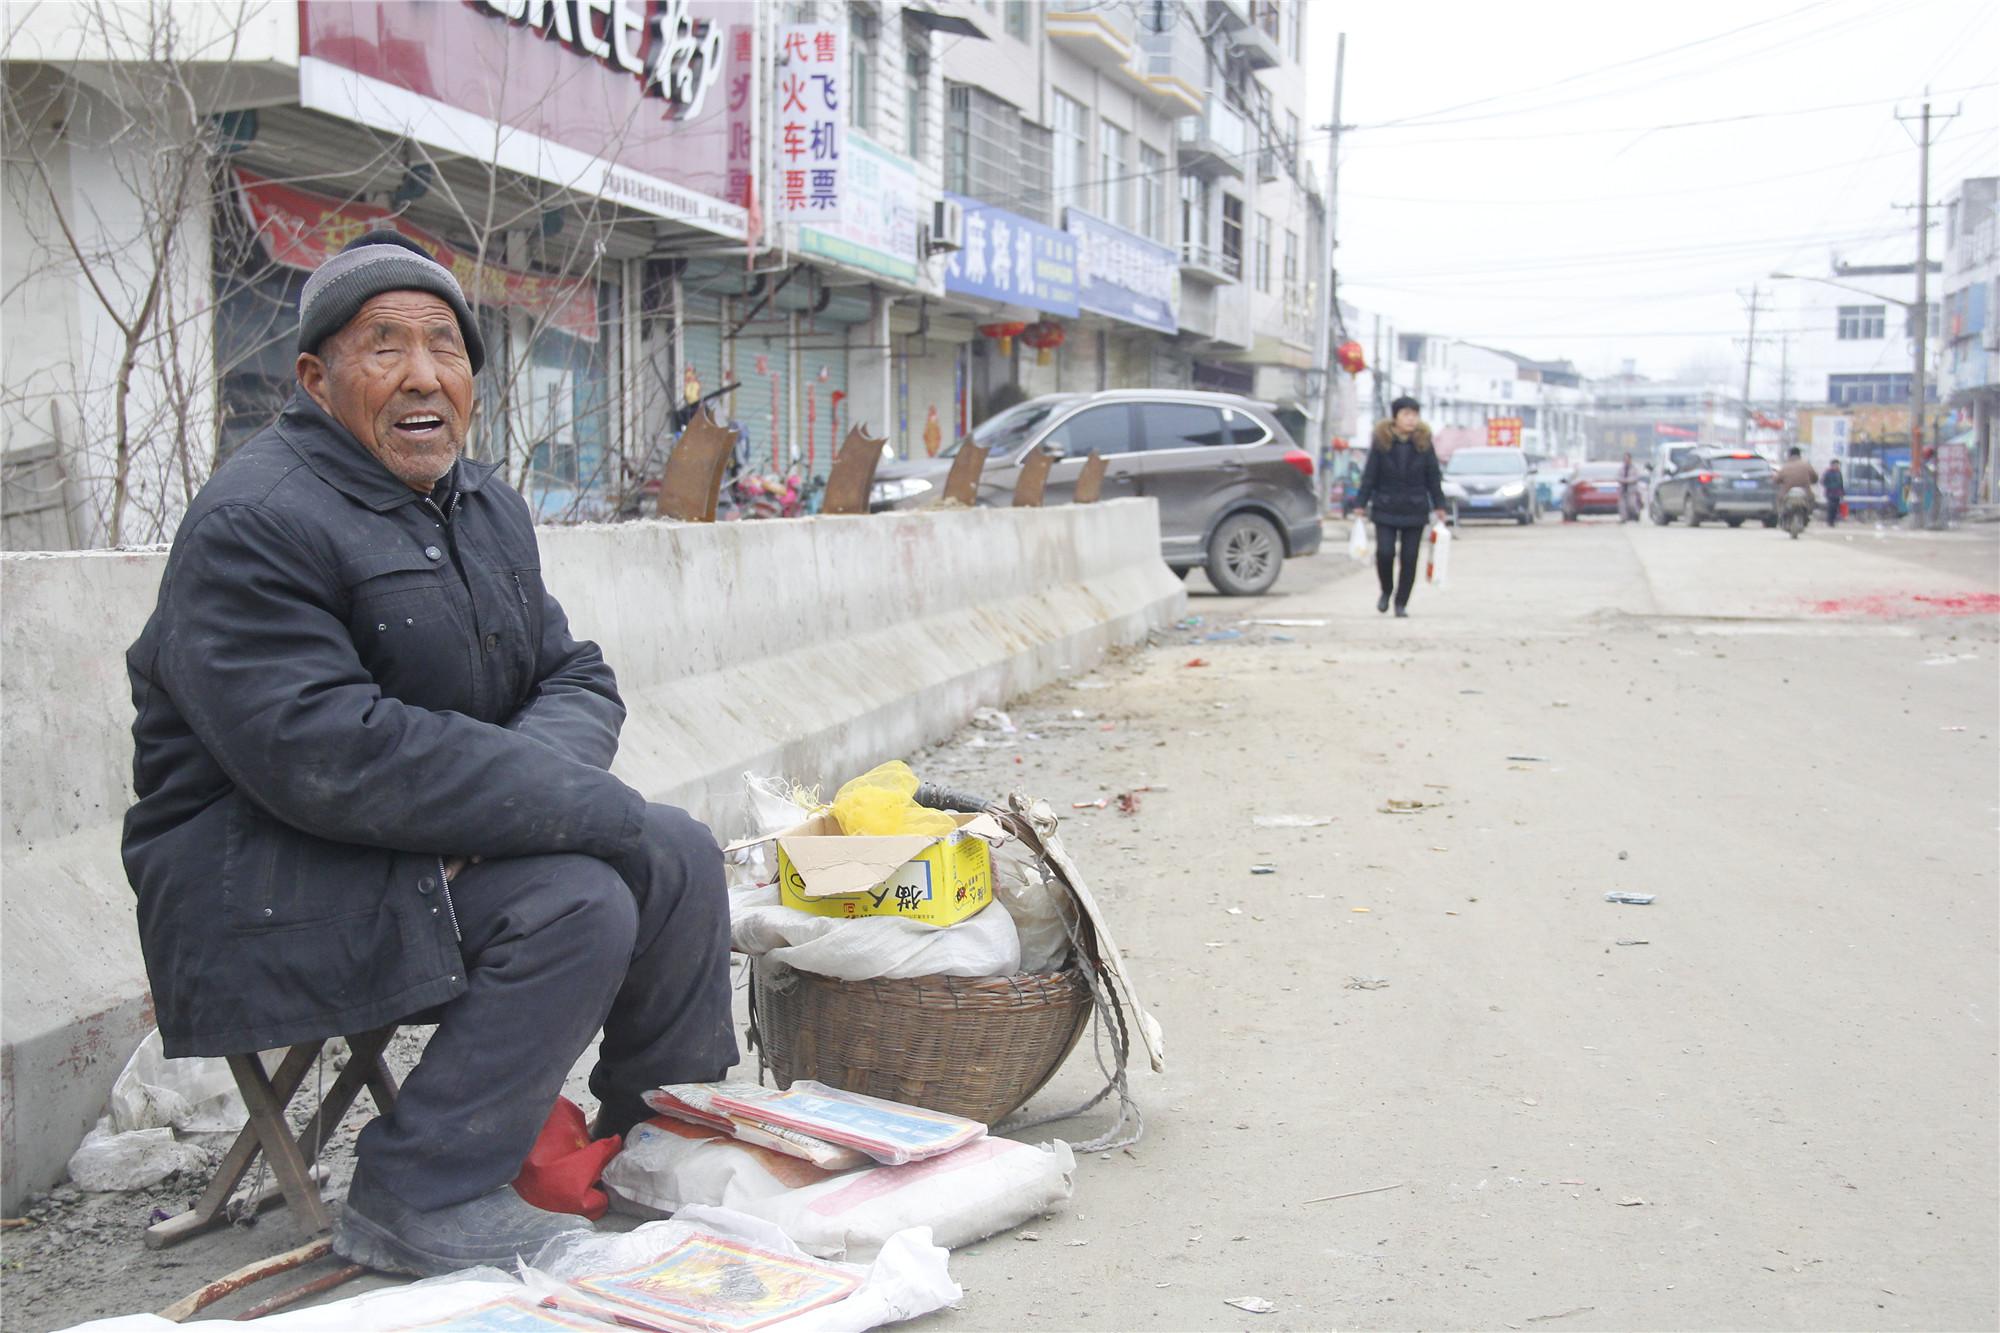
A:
(965, 1195)
(908, 1278)
(985, 944)
(108, 1162)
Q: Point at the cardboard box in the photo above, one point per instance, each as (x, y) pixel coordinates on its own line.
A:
(938, 881)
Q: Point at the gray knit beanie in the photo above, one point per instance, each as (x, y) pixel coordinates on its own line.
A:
(368, 265)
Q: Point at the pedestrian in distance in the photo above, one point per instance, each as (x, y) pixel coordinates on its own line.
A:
(374, 787)
(1628, 490)
(1401, 487)
(1835, 485)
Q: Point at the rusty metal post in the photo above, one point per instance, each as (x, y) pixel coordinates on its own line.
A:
(693, 475)
(852, 477)
(1090, 482)
(962, 486)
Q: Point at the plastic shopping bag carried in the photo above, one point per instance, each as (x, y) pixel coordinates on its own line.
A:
(1438, 564)
(1359, 541)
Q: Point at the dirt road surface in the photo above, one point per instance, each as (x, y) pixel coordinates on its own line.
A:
(1767, 1100)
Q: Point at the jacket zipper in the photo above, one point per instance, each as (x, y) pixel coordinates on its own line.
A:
(520, 590)
(444, 887)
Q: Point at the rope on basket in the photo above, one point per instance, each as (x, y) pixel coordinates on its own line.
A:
(1107, 1017)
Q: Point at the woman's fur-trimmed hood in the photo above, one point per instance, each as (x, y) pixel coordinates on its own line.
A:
(1385, 435)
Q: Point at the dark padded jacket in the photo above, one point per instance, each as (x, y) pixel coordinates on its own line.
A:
(1402, 479)
(343, 682)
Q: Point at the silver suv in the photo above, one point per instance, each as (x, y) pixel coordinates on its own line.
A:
(1236, 494)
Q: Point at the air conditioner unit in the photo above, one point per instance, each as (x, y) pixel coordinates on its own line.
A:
(947, 229)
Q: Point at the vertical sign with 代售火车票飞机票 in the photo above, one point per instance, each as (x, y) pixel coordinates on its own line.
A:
(811, 122)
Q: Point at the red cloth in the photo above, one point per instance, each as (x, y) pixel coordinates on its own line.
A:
(563, 1168)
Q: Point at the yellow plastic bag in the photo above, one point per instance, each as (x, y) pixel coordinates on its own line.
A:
(882, 803)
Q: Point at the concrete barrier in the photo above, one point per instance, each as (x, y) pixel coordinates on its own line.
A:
(814, 648)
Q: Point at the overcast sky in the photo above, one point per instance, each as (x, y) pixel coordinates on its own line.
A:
(1513, 177)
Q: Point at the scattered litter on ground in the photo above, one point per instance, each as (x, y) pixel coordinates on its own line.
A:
(1559, 703)
(1564, 1314)
(1254, 1304)
(1263, 870)
(1349, 1194)
(1626, 944)
(1397, 806)
(1091, 683)
(1530, 1101)
(1197, 662)
(1098, 804)
(1233, 911)
(1629, 898)
(1360, 909)
(1472, 691)
(1188, 622)
(1624, 856)
(1222, 636)
(1291, 821)
(985, 743)
(1076, 1243)
(1316, 895)
(1286, 624)
(1128, 803)
(1367, 983)
(1528, 759)
(1951, 728)
(1633, 1202)
(992, 719)
(1028, 1235)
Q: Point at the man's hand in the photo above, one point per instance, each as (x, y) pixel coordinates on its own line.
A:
(457, 863)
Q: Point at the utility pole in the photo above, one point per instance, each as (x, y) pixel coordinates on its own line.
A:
(1323, 326)
(1785, 434)
(1749, 361)
(1923, 484)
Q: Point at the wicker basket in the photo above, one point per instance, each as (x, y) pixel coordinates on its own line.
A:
(972, 1046)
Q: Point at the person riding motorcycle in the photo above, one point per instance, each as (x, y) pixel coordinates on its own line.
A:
(1794, 474)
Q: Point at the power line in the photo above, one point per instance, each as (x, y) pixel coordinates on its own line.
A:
(1601, 69)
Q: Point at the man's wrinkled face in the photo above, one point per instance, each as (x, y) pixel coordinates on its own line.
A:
(399, 379)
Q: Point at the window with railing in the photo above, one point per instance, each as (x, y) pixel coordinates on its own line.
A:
(1152, 192)
(1072, 151)
(1113, 176)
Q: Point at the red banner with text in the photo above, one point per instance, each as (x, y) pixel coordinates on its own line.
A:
(302, 230)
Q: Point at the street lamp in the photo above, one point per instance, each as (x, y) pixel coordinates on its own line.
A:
(1917, 314)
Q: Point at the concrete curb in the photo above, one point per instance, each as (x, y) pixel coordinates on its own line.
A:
(811, 648)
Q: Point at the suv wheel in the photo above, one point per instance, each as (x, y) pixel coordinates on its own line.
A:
(1689, 511)
(1244, 555)
(1657, 514)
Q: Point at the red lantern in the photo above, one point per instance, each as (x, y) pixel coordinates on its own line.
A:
(1044, 336)
(1349, 356)
(1006, 332)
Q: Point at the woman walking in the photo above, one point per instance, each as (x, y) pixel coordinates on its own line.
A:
(1401, 487)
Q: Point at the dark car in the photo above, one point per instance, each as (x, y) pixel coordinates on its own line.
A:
(1731, 485)
(1498, 483)
(1235, 493)
(1594, 490)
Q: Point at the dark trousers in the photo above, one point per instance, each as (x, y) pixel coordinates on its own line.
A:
(1833, 500)
(1398, 581)
(554, 948)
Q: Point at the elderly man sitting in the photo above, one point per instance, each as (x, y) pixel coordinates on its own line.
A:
(372, 782)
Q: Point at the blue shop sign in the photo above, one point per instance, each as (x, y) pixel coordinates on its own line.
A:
(1009, 259)
(1124, 275)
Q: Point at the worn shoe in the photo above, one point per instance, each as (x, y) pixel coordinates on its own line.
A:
(1382, 602)
(1402, 613)
(377, 1230)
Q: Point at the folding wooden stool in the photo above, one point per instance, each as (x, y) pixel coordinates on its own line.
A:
(268, 1132)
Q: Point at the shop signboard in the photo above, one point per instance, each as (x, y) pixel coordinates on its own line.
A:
(1503, 432)
(1015, 261)
(300, 229)
(618, 99)
(809, 92)
(1122, 274)
(878, 234)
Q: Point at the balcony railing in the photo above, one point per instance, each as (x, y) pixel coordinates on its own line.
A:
(1216, 140)
(1203, 260)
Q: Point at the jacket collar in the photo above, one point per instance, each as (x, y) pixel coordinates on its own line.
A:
(344, 463)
